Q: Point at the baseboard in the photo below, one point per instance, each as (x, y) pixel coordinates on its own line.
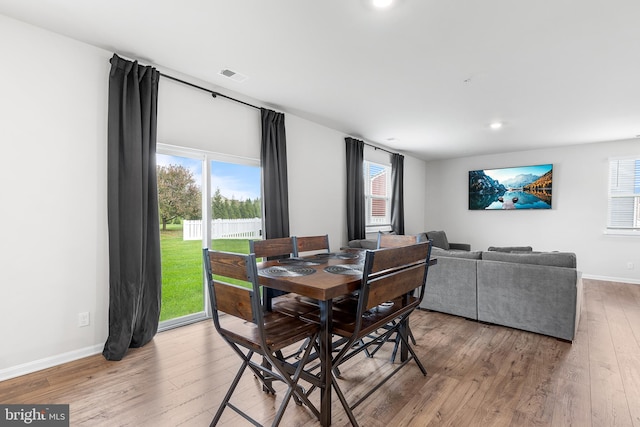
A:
(48, 362)
(612, 279)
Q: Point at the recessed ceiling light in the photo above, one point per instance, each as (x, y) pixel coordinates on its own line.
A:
(381, 4)
(495, 125)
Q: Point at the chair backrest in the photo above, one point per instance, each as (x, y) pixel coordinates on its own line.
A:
(311, 244)
(395, 240)
(283, 246)
(232, 299)
(390, 273)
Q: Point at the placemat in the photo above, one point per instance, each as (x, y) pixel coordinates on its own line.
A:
(348, 255)
(286, 271)
(302, 261)
(350, 269)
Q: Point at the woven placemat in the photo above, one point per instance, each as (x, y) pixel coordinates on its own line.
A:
(302, 261)
(350, 269)
(286, 271)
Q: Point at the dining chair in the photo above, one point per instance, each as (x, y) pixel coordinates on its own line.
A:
(273, 299)
(395, 241)
(251, 331)
(306, 245)
(390, 278)
(282, 247)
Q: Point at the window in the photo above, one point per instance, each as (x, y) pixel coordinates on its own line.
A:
(205, 200)
(377, 193)
(624, 195)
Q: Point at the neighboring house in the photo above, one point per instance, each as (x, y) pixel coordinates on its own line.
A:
(379, 189)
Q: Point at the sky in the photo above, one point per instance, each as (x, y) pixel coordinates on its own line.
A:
(504, 174)
(234, 181)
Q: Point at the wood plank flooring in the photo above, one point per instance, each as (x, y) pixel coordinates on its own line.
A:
(478, 375)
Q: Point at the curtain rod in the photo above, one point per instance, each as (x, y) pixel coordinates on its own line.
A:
(216, 94)
(379, 148)
(213, 93)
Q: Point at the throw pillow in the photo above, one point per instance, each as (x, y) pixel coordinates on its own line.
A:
(439, 239)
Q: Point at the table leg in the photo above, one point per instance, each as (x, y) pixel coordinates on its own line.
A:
(326, 315)
(404, 351)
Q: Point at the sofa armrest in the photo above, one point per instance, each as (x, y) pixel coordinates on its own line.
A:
(460, 246)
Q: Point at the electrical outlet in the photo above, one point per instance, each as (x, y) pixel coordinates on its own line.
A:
(83, 319)
(630, 265)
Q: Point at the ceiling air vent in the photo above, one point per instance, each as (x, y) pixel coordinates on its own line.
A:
(236, 77)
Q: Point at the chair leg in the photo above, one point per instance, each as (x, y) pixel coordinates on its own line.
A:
(232, 388)
(292, 384)
(415, 357)
(343, 400)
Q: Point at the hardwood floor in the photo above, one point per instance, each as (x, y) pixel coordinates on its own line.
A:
(478, 375)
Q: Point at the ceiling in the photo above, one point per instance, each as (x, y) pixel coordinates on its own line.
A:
(424, 77)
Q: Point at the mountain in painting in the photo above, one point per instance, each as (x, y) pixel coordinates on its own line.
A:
(519, 181)
(544, 182)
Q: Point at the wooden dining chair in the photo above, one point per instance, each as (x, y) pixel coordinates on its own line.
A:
(282, 247)
(395, 241)
(274, 299)
(306, 245)
(250, 331)
(390, 278)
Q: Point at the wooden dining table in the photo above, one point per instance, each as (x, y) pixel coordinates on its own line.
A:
(312, 277)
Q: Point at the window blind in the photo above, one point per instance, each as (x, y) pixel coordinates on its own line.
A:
(624, 194)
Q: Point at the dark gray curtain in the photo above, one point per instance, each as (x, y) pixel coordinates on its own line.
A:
(134, 230)
(273, 159)
(356, 221)
(397, 193)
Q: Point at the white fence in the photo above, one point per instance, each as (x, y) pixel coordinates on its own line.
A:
(247, 228)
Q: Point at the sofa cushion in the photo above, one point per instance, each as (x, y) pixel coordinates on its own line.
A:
(510, 248)
(555, 259)
(452, 253)
(439, 239)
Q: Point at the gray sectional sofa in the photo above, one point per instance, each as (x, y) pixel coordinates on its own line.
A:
(514, 287)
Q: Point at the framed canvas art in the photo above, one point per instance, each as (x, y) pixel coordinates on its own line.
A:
(523, 187)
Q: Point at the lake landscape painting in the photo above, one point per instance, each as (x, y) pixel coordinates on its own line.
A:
(524, 187)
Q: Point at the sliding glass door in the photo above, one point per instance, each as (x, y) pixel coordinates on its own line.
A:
(206, 200)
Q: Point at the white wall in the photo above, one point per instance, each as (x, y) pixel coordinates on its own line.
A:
(54, 236)
(53, 111)
(576, 222)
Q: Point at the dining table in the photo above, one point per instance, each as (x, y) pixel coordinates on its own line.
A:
(323, 277)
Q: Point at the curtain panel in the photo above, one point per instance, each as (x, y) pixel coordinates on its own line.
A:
(397, 193)
(134, 231)
(273, 159)
(356, 221)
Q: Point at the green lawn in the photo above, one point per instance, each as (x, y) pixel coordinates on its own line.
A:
(182, 274)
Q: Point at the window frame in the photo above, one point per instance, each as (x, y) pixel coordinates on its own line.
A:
(616, 190)
(206, 157)
(370, 226)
